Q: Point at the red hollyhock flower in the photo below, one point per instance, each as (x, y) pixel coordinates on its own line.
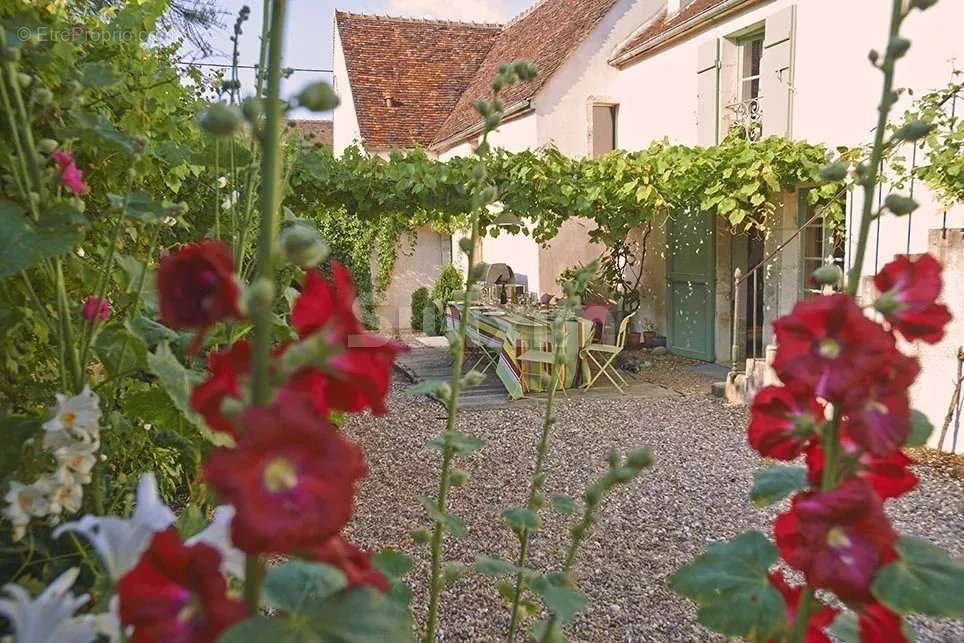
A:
(782, 423)
(228, 368)
(197, 288)
(177, 593)
(877, 624)
(878, 415)
(291, 478)
(889, 476)
(70, 174)
(354, 562)
(361, 374)
(827, 346)
(838, 539)
(908, 293)
(819, 619)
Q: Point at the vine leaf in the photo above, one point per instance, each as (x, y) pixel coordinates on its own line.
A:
(775, 483)
(924, 580)
(729, 583)
(23, 243)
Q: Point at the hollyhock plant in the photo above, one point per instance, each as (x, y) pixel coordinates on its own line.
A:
(909, 290)
(96, 308)
(177, 593)
(829, 347)
(291, 478)
(197, 288)
(782, 423)
(360, 372)
(838, 538)
(354, 562)
(877, 624)
(792, 595)
(878, 415)
(70, 175)
(889, 476)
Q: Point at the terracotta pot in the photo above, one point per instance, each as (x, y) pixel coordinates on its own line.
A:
(632, 339)
(648, 336)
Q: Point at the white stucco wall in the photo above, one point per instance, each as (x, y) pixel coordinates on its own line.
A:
(419, 260)
(344, 118)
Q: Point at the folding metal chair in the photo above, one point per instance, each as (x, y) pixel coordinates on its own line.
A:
(548, 357)
(607, 352)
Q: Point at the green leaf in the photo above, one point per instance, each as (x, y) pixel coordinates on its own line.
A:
(494, 567)
(178, 382)
(845, 627)
(923, 580)
(88, 125)
(360, 615)
(729, 583)
(451, 522)
(290, 587)
(141, 206)
(14, 431)
(463, 443)
(920, 429)
(393, 563)
(559, 597)
(519, 518)
(119, 349)
(775, 483)
(23, 242)
(98, 75)
(542, 634)
(564, 504)
(191, 522)
(262, 628)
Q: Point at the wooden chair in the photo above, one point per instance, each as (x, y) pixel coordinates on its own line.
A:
(548, 357)
(608, 353)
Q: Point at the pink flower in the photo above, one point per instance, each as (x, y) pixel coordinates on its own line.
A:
(96, 308)
(70, 174)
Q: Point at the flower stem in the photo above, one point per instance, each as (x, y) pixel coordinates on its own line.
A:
(270, 198)
(872, 168)
(448, 454)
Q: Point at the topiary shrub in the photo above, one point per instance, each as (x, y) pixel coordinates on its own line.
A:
(420, 299)
(449, 283)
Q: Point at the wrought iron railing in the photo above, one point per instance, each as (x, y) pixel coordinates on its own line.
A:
(747, 115)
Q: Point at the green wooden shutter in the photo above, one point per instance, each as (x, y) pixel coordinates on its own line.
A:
(708, 93)
(776, 71)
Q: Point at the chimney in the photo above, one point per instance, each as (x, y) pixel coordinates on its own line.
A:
(672, 7)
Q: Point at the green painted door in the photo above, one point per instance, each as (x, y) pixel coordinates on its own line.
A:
(691, 291)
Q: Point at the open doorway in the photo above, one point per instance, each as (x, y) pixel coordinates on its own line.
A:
(755, 253)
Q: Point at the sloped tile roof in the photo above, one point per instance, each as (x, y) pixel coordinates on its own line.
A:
(663, 23)
(313, 131)
(406, 75)
(546, 35)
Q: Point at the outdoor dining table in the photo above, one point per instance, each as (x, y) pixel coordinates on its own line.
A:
(511, 333)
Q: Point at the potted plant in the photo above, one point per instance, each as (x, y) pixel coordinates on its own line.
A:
(649, 332)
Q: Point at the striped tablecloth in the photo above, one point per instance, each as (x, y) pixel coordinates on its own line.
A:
(512, 334)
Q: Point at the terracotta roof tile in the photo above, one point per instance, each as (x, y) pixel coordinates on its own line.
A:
(661, 24)
(406, 75)
(313, 131)
(546, 35)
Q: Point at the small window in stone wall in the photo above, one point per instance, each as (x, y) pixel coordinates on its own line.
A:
(751, 54)
(603, 129)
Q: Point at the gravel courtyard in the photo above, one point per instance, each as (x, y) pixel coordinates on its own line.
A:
(694, 495)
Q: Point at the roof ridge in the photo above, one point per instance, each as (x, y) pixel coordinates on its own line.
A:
(524, 13)
(434, 21)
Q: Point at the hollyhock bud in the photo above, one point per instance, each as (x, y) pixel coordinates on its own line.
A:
(899, 204)
(220, 119)
(196, 288)
(909, 290)
(302, 245)
(43, 96)
(258, 297)
(318, 97)
(838, 539)
(96, 308)
(834, 172)
(639, 459)
(47, 145)
(458, 477)
(913, 131)
(421, 536)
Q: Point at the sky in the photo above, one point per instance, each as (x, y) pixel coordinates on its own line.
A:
(309, 40)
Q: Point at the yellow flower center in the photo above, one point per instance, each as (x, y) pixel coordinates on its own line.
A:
(69, 418)
(829, 348)
(190, 611)
(837, 538)
(280, 475)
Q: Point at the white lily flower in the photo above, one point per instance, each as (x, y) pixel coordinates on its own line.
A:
(222, 182)
(26, 501)
(218, 535)
(230, 200)
(108, 623)
(67, 495)
(78, 458)
(121, 542)
(78, 415)
(48, 618)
